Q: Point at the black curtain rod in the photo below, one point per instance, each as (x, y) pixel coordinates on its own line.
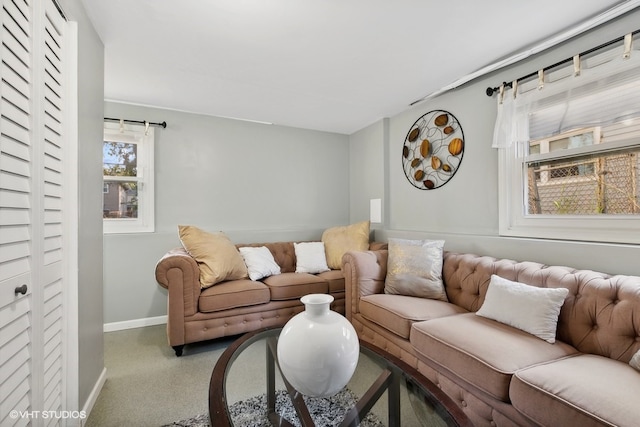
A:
(491, 90)
(142, 122)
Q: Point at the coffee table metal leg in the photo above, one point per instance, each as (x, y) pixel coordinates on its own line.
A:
(296, 398)
(363, 406)
(388, 380)
(394, 399)
(271, 378)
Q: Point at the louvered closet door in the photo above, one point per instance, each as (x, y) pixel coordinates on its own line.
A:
(32, 157)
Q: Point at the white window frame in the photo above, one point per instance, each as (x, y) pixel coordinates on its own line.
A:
(515, 222)
(600, 88)
(144, 138)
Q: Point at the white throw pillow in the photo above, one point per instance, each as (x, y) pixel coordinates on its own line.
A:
(259, 261)
(310, 257)
(635, 361)
(529, 308)
(414, 268)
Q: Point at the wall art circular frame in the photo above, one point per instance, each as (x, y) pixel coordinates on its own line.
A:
(432, 150)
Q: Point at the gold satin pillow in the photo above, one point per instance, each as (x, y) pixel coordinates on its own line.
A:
(338, 240)
(217, 257)
(414, 268)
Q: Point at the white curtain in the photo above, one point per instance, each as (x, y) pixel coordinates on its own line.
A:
(511, 122)
(604, 89)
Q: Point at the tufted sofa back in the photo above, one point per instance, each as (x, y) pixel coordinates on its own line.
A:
(601, 314)
(283, 253)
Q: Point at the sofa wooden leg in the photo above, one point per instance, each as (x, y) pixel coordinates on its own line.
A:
(178, 349)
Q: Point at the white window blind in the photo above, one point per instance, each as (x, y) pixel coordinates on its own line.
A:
(569, 144)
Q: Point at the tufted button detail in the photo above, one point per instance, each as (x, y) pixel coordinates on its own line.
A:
(493, 423)
(204, 328)
(594, 327)
(226, 324)
(464, 404)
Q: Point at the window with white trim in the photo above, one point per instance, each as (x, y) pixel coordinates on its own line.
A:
(128, 191)
(569, 152)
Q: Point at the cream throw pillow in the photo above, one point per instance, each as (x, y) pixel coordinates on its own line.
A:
(259, 262)
(310, 257)
(528, 308)
(338, 240)
(635, 361)
(216, 256)
(414, 268)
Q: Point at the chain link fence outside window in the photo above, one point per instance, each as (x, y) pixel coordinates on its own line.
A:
(603, 184)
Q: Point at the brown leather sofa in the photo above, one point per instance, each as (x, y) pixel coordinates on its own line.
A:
(237, 306)
(500, 375)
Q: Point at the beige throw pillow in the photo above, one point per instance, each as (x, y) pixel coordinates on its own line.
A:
(216, 256)
(414, 268)
(339, 240)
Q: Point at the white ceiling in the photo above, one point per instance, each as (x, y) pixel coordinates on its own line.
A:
(332, 65)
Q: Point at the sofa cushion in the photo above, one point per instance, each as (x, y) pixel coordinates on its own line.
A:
(339, 240)
(288, 286)
(217, 257)
(415, 268)
(529, 308)
(481, 351)
(397, 313)
(335, 279)
(233, 294)
(584, 390)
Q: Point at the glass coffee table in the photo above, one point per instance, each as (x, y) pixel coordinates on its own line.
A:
(247, 389)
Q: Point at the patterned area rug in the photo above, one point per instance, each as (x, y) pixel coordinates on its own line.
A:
(252, 412)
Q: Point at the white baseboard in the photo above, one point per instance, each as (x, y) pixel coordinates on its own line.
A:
(136, 323)
(93, 396)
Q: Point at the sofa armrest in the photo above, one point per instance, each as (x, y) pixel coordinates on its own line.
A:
(364, 274)
(178, 272)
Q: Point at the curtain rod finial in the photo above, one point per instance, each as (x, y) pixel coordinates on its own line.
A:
(490, 91)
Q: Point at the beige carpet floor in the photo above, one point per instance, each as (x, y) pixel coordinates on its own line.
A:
(147, 385)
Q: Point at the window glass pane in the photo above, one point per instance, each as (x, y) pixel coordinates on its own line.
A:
(120, 159)
(573, 140)
(120, 199)
(606, 183)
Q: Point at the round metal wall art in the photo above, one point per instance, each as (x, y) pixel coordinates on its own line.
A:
(432, 150)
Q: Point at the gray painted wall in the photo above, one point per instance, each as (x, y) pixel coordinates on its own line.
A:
(465, 211)
(266, 183)
(366, 171)
(90, 114)
(255, 182)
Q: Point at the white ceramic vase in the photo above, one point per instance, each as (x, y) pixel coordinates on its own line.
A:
(318, 349)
